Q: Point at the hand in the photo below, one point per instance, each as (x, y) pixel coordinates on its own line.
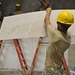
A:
(44, 3)
(48, 10)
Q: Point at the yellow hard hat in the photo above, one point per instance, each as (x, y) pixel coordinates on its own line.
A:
(65, 17)
(18, 5)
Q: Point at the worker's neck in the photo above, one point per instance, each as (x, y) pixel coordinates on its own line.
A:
(64, 31)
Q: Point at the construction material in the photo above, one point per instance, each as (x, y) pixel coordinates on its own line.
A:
(28, 24)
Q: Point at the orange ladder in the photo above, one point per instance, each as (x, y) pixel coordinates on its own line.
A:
(20, 56)
(65, 65)
(35, 55)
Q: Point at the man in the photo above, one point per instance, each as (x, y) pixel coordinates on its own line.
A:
(17, 10)
(59, 41)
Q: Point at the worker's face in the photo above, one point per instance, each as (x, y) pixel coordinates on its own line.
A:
(17, 8)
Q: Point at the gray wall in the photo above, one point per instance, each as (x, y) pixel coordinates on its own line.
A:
(8, 6)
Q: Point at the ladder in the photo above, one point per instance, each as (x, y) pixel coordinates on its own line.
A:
(65, 65)
(21, 58)
(22, 61)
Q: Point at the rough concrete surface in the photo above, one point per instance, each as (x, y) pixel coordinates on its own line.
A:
(18, 72)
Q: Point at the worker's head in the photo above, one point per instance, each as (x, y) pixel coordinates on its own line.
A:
(18, 6)
(64, 20)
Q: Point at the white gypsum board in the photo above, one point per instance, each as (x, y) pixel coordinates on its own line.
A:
(29, 25)
(23, 26)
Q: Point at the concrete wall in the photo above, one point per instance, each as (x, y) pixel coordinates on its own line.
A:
(8, 6)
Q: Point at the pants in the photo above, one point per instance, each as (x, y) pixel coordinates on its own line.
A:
(50, 71)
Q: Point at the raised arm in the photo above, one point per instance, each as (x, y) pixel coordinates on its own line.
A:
(47, 17)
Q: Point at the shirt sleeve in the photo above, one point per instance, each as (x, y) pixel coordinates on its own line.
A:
(52, 33)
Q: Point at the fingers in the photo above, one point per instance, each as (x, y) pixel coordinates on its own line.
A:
(48, 9)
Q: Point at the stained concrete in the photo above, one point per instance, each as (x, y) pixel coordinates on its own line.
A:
(18, 72)
(11, 73)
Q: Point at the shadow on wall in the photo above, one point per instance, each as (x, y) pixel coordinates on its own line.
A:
(8, 6)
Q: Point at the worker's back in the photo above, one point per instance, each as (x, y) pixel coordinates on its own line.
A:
(59, 44)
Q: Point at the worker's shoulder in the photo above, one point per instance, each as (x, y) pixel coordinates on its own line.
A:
(17, 12)
(53, 30)
(51, 27)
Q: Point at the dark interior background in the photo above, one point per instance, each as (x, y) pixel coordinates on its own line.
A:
(8, 6)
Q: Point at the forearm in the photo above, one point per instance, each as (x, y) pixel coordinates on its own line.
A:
(47, 20)
(47, 17)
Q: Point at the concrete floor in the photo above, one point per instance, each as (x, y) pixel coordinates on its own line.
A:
(18, 72)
